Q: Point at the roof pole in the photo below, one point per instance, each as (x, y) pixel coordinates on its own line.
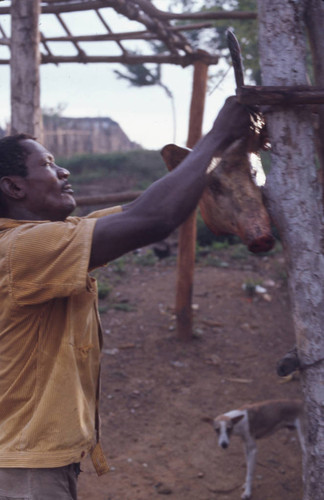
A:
(24, 66)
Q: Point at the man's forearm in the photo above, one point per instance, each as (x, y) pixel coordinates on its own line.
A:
(176, 195)
(170, 200)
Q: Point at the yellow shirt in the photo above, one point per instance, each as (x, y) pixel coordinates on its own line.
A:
(50, 342)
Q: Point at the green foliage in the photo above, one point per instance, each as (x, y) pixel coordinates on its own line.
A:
(252, 282)
(249, 286)
(140, 75)
(103, 309)
(123, 306)
(104, 289)
(147, 258)
(212, 260)
(239, 252)
(245, 31)
(118, 266)
(145, 166)
(53, 112)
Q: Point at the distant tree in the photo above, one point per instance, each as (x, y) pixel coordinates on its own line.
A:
(246, 31)
(140, 75)
(55, 111)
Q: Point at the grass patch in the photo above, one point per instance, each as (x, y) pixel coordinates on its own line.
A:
(146, 259)
(123, 306)
(104, 289)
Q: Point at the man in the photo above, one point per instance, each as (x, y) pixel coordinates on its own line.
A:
(50, 336)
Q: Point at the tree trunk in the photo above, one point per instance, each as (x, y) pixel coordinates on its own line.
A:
(24, 66)
(314, 16)
(294, 199)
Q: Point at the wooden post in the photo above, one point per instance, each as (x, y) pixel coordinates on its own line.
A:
(187, 234)
(24, 66)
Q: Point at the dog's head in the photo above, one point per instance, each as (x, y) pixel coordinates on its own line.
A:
(224, 426)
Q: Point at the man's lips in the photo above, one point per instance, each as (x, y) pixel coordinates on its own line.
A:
(67, 189)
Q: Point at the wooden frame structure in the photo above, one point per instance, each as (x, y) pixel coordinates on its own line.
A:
(158, 26)
(29, 48)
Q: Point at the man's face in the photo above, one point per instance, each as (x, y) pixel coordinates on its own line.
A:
(48, 194)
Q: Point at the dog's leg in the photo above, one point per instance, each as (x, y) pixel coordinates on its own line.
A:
(250, 454)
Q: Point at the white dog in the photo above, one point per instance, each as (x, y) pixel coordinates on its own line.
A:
(256, 421)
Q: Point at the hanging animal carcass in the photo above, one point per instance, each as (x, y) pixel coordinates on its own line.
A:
(232, 200)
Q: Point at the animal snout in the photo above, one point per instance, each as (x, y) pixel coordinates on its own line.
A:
(263, 243)
(224, 444)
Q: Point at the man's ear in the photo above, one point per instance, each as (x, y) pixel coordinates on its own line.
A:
(12, 187)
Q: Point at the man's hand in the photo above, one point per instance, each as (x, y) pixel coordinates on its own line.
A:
(233, 122)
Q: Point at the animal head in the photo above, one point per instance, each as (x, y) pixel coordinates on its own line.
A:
(224, 426)
(231, 202)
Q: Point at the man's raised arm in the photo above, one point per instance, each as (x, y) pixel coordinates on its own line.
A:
(171, 199)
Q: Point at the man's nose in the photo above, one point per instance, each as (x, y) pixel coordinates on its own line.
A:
(62, 173)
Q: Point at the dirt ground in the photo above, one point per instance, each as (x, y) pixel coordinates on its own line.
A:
(157, 390)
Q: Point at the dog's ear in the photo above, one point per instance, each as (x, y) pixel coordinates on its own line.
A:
(235, 420)
(173, 155)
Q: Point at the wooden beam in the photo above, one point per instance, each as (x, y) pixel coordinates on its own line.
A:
(129, 59)
(215, 16)
(61, 7)
(183, 61)
(152, 11)
(131, 35)
(24, 65)
(65, 7)
(105, 24)
(281, 95)
(5, 41)
(69, 34)
(187, 231)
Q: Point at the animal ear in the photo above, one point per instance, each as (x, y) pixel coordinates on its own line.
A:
(11, 186)
(173, 155)
(235, 420)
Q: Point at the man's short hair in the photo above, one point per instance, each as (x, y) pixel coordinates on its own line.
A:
(13, 155)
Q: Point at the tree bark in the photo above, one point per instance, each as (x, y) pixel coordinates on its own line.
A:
(314, 16)
(24, 65)
(295, 203)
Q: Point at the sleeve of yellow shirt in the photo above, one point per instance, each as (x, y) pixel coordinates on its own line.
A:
(49, 259)
(105, 211)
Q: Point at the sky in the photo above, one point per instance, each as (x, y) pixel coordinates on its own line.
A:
(145, 114)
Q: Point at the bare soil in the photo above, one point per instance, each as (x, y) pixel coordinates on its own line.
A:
(157, 390)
